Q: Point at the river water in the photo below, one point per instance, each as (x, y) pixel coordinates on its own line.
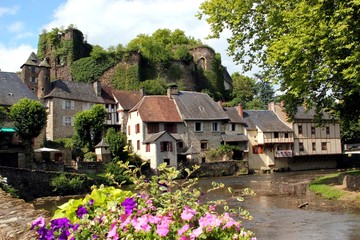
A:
(275, 208)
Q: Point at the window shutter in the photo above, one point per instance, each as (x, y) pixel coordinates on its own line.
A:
(72, 121)
(63, 104)
(63, 120)
(161, 146)
(72, 105)
(170, 146)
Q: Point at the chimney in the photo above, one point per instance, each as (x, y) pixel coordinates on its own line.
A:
(172, 90)
(97, 88)
(239, 109)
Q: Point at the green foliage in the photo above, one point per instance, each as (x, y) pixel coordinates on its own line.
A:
(65, 142)
(126, 77)
(154, 87)
(243, 90)
(89, 69)
(88, 126)
(117, 142)
(8, 188)
(29, 117)
(90, 157)
(309, 48)
(116, 173)
(3, 115)
(219, 153)
(63, 185)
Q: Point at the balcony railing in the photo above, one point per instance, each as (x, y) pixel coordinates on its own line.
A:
(283, 153)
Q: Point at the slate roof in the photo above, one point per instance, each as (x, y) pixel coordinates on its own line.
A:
(233, 115)
(127, 99)
(73, 90)
(12, 89)
(157, 109)
(234, 138)
(32, 60)
(305, 114)
(198, 106)
(156, 136)
(266, 120)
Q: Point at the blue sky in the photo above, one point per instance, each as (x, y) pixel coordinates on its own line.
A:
(103, 22)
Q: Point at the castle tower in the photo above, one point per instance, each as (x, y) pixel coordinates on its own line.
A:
(36, 75)
(43, 78)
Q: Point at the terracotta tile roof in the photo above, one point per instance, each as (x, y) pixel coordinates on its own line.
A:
(12, 89)
(198, 106)
(157, 109)
(266, 120)
(127, 99)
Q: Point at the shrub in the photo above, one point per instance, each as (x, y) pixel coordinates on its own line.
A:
(65, 186)
(90, 157)
(7, 188)
(161, 208)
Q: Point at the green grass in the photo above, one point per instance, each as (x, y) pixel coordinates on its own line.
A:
(325, 186)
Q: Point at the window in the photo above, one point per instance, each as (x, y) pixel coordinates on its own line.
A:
(180, 145)
(233, 127)
(327, 130)
(313, 130)
(67, 104)
(128, 130)
(301, 147)
(148, 147)
(137, 128)
(166, 146)
(108, 117)
(32, 69)
(67, 121)
(170, 127)
(153, 127)
(258, 150)
(198, 127)
(204, 145)
(276, 135)
(286, 135)
(314, 146)
(324, 146)
(138, 144)
(167, 161)
(300, 129)
(215, 127)
(33, 79)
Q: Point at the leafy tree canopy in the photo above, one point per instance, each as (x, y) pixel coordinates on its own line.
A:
(117, 142)
(3, 115)
(29, 117)
(311, 48)
(88, 126)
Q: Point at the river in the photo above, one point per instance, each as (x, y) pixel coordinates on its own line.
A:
(275, 208)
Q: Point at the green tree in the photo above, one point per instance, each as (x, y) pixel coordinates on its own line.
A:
(310, 48)
(154, 86)
(243, 90)
(117, 142)
(3, 115)
(88, 126)
(29, 117)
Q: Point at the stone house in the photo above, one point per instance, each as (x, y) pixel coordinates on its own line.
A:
(153, 129)
(319, 143)
(270, 140)
(191, 121)
(12, 89)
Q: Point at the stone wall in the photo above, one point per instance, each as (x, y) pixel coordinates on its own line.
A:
(16, 217)
(223, 168)
(351, 182)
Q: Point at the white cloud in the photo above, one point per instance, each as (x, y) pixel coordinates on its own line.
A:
(16, 26)
(5, 10)
(13, 58)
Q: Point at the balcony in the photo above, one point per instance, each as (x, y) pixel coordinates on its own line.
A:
(283, 153)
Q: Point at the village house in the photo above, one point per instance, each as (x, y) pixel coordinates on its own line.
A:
(270, 140)
(12, 89)
(317, 144)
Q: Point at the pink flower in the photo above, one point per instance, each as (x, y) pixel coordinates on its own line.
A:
(163, 227)
(112, 233)
(188, 213)
(183, 229)
(196, 233)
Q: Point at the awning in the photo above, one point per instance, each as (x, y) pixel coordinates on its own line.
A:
(45, 149)
(7, 130)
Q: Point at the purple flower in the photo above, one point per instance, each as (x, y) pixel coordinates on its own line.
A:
(129, 204)
(64, 235)
(81, 211)
(60, 223)
(91, 202)
(38, 222)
